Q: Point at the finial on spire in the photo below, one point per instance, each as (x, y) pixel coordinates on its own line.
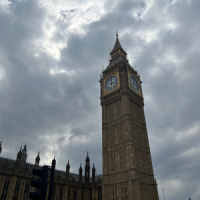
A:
(116, 33)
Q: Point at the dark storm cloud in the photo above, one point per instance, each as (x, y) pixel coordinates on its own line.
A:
(59, 111)
(36, 104)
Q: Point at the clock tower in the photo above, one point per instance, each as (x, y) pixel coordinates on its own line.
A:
(127, 166)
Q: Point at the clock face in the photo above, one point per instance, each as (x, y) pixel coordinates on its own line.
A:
(111, 83)
(134, 83)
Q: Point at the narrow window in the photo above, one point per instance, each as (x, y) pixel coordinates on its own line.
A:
(110, 136)
(118, 126)
(26, 191)
(113, 135)
(16, 191)
(69, 193)
(54, 193)
(5, 189)
(119, 110)
(123, 161)
(75, 194)
(61, 193)
(120, 160)
(115, 129)
(121, 129)
(99, 194)
(110, 112)
(113, 107)
(112, 161)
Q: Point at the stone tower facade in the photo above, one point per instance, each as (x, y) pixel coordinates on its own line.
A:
(127, 166)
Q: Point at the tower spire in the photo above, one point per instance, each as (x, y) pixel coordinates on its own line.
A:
(117, 53)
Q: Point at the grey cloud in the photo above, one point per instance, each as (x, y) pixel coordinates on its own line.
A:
(61, 114)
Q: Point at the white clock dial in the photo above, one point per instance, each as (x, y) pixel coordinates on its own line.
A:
(111, 83)
(134, 83)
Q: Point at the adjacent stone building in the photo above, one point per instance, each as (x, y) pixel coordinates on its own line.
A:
(16, 175)
(127, 166)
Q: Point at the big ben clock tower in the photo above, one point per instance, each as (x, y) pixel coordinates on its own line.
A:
(127, 166)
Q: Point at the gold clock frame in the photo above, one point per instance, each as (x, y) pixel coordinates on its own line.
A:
(138, 81)
(105, 92)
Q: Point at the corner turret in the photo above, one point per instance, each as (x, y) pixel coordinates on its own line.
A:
(80, 173)
(19, 155)
(68, 166)
(87, 169)
(93, 173)
(24, 155)
(67, 169)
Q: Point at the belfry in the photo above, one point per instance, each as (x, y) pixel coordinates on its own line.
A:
(127, 166)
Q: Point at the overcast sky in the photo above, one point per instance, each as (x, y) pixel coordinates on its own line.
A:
(51, 57)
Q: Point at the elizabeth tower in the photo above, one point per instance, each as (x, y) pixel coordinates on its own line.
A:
(127, 166)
